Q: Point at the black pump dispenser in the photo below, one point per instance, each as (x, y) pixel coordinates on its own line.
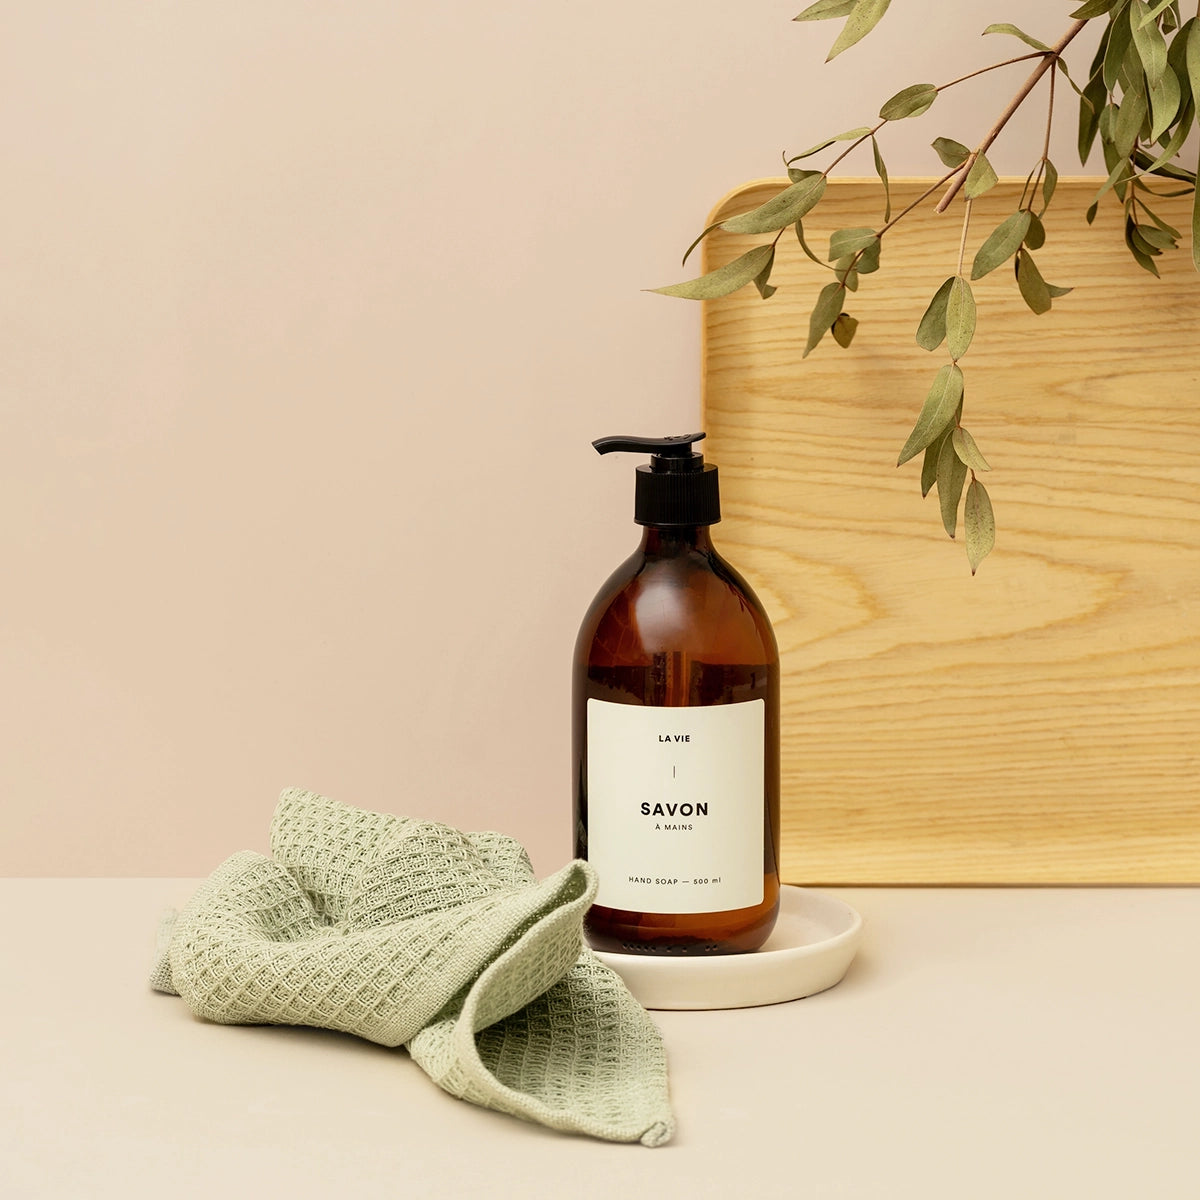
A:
(677, 488)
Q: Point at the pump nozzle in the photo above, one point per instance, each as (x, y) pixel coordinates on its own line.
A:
(677, 488)
(679, 446)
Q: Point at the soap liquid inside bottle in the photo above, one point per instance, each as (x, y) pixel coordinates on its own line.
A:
(677, 592)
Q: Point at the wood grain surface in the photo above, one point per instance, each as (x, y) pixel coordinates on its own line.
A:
(1040, 722)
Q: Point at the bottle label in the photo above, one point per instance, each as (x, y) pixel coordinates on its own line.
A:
(675, 802)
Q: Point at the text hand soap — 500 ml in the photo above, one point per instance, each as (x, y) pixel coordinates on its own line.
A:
(676, 729)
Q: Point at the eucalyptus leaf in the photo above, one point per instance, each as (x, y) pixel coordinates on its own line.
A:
(932, 330)
(1093, 8)
(1165, 96)
(868, 258)
(968, 451)
(1169, 230)
(1033, 178)
(1060, 66)
(762, 280)
(795, 178)
(846, 273)
(844, 329)
(1049, 184)
(824, 313)
(688, 252)
(1120, 38)
(1108, 121)
(1147, 247)
(937, 411)
(1097, 65)
(1182, 130)
(723, 280)
(1013, 31)
(1119, 173)
(1035, 239)
(1140, 256)
(980, 178)
(1192, 58)
(911, 101)
(1055, 292)
(1177, 61)
(780, 211)
(881, 171)
(848, 136)
(980, 524)
(1031, 284)
(1166, 169)
(929, 464)
(850, 241)
(960, 317)
(823, 10)
(1149, 40)
(807, 248)
(952, 153)
(1090, 107)
(1130, 116)
(1001, 244)
(1156, 10)
(951, 475)
(1132, 76)
(864, 16)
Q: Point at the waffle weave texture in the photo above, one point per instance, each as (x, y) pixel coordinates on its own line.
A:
(411, 933)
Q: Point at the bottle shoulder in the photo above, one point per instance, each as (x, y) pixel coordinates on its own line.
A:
(693, 603)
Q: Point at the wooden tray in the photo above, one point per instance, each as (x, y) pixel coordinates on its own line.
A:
(1039, 723)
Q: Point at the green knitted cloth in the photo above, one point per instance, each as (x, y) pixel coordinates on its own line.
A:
(411, 933)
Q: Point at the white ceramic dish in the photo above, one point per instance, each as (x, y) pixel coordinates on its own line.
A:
(809, 950)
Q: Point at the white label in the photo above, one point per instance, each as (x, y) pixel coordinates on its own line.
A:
(675, 806)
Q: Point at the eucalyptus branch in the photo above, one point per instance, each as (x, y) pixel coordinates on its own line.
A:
(1048, 60)
(1140, 100)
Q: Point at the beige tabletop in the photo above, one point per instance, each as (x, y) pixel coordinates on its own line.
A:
(1008, 1043)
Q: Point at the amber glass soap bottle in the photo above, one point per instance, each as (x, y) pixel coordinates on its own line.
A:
(676, 729)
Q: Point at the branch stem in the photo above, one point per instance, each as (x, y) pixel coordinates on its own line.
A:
(919, 200)
(854, 146)
(1008, 62)
(962, 245)
(1040, 169)
(1050, 111)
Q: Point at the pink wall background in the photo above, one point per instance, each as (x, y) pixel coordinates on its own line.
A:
(309, 313)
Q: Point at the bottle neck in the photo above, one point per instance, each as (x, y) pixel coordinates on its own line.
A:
(659, 541)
